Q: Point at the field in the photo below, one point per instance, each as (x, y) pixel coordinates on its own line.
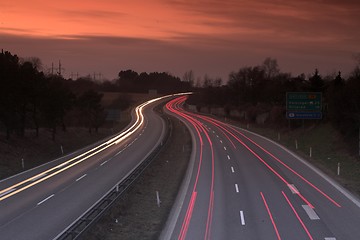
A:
(22, 153)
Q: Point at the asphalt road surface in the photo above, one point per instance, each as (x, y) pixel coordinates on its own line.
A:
(41, 203)
(242, 186)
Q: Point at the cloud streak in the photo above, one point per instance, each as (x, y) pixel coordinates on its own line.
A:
(208, 36)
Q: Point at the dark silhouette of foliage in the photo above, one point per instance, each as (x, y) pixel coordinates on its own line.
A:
(59, 100)
(131, 81)
(316, 82)
(92, 112)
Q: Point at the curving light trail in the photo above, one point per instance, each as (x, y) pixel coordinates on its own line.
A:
(174, 107)
(42, 176)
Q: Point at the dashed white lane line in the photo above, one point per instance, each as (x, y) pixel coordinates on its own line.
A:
(81, 177)
(119, 152)
(225, 148)
(236, 188)
(293, 189)
(103, 163)
(232, 169)
(7, 192)
(242, 218)
(217, 136)
(228, 157)
(41, 202)
(310, 212)
(221, 141)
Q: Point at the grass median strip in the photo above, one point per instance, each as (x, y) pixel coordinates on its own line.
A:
(137, 214)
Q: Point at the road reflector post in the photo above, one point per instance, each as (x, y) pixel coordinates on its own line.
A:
(62, 150)
(278, 136)
(338, 169)
(23, 163)
(296, 144)
(310, 151)
(158, 198)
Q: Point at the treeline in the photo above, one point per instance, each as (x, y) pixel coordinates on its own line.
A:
(29, 99)
(262, 89)
(131, 81)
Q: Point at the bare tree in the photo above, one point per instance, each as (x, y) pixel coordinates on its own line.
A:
(189, 77)
(270, 67)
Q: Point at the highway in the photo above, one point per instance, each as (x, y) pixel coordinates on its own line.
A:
(43, 202)
(240, 185)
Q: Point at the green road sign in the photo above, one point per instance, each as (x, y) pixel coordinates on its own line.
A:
(303, 101)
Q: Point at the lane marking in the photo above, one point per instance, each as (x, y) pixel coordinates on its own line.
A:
(38, 177)
(236, 187)
(119, 152)
(242, 218)
(87, 154)
(271, 216)
(225, 148)
(232, 170)
(217, 136)
(310, 212)
(330, 238)
(7, 192)
(45, 199)
(297, 216)
(293, 189)
(221, 141)
(81, 177)
(228, 157)
(103, 163)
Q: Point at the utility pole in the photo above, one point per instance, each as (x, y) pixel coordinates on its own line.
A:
(97, 75)
(60, 68)
(73, 75)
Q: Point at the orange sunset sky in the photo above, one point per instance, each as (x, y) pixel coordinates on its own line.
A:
(211, 37)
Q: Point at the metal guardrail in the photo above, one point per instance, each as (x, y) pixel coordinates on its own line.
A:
(93, 215)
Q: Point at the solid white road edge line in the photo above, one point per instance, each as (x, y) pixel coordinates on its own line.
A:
(242, 218)
(310, 212)
(46, 199)
(336, 185)
(103, 163)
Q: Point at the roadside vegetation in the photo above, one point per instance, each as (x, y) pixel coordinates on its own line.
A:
(44, 116)
(136, 214)
(255, 97)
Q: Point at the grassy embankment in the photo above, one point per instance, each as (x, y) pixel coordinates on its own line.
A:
(327, 150)
(136, 214)
(38, 150)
